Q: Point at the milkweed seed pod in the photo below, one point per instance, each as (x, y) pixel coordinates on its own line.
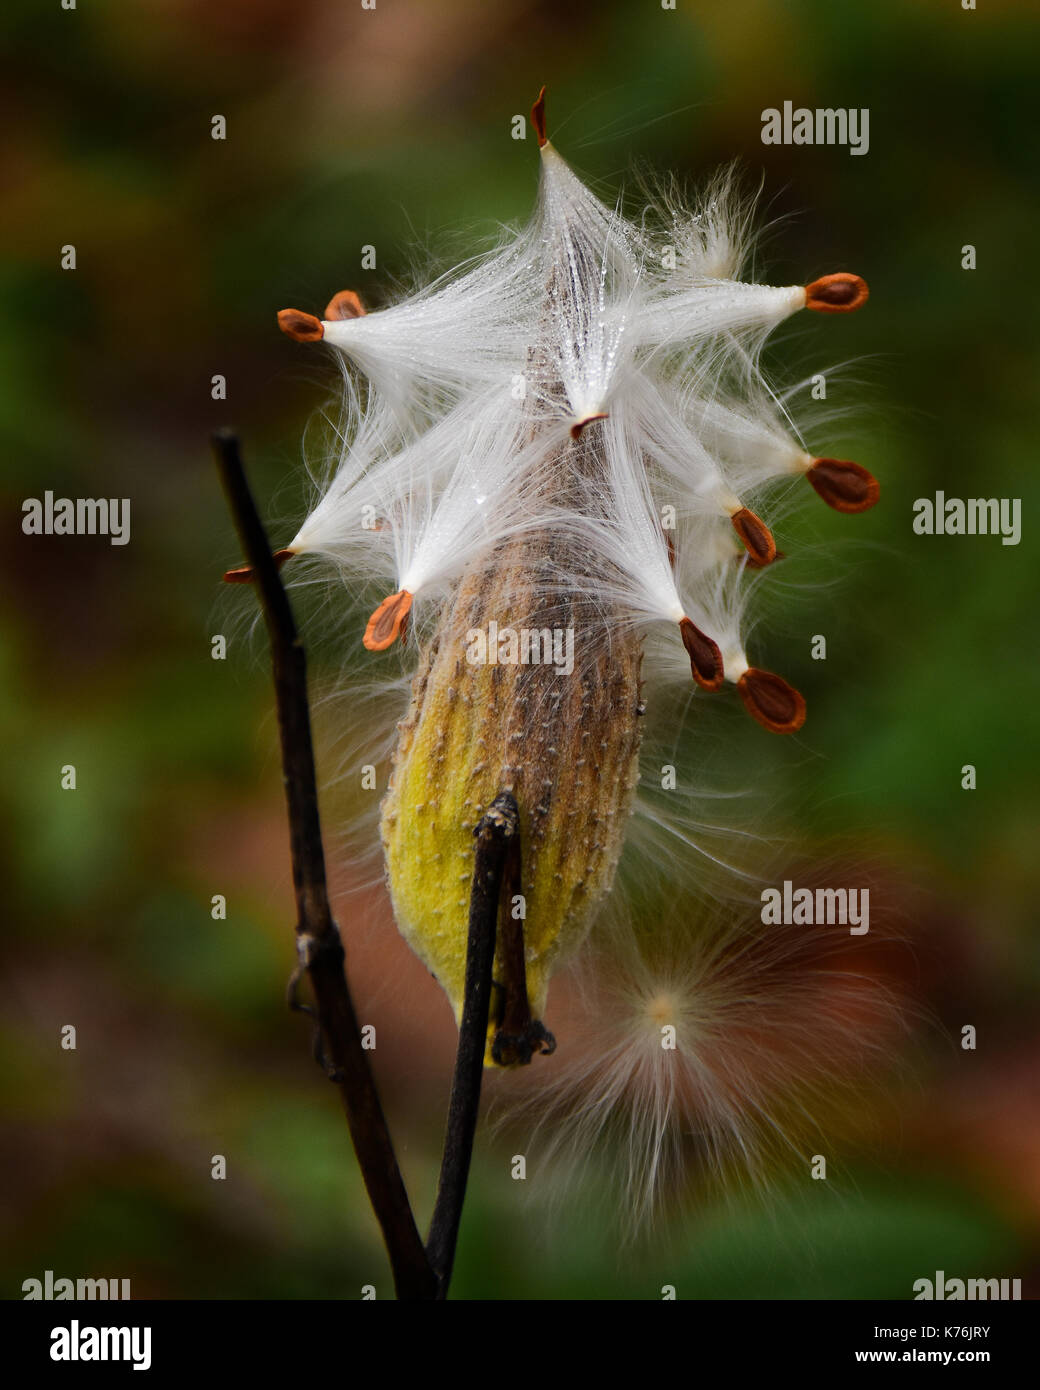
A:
(560, 445)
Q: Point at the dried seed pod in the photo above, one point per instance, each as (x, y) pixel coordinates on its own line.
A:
(533, 433)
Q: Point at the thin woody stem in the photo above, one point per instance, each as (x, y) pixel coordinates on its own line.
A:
(516, 1011)
(318, 942)
(495, 832)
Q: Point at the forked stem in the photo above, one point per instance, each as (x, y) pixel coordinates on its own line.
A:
(419, 1273)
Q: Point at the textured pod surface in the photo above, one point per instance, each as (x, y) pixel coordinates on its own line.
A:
(566, 745)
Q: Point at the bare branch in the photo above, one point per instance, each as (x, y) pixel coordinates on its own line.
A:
(495, 832)
(318, 942)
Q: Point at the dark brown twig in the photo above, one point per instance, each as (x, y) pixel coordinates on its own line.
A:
(495, 832)
(318, 943)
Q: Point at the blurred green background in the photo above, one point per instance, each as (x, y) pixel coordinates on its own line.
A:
(391, 128)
